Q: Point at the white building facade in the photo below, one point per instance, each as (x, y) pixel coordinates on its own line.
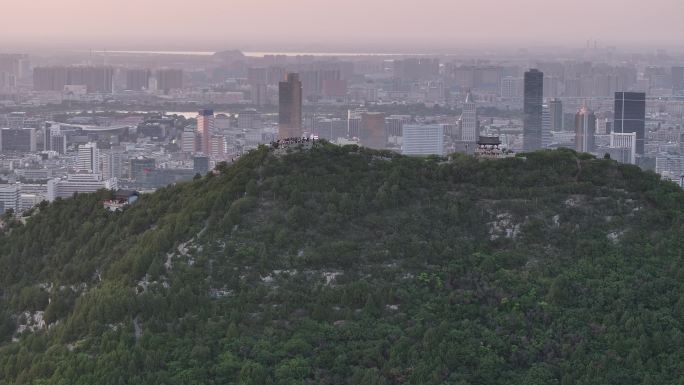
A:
(423, 139)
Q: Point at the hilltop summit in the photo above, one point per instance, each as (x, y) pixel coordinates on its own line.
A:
(343, 265)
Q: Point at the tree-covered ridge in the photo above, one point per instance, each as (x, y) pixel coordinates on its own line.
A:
(342, 265)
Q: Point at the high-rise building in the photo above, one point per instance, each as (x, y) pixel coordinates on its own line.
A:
(260, 95)
(354, 126)
(218, 147)
(89, 158)
(556, 111)
(249, 119)
(169, 79)
(8, 82)
(53, 138)
(626, 144)
(670, 166)
(547, 137)
(373, 133)
(142, 166)
(49, 78)
(257, 76)
(677, 74)
(511, 87)
(9, 198)
(189, 141)
(78, 183)
(550, 86)
(14, 120)
(330, 129)
(205, 128)
(47, 134)
(585, 130)
(354, 122)
(18, 140)
(200, 164)
(532, 110)
(290, 107)
(423, 139)
(411, 69)
(137, 79)
(222, 122)
(15, 65)
(630, 116)
(96, 79)
(394, 124)
(112, 164)
(481, 77)
(469, 120)
(58, 143)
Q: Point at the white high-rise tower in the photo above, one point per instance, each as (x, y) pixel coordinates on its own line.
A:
(469, 120)
(89, 158)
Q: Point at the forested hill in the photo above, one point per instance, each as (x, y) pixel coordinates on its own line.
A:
(341, 265)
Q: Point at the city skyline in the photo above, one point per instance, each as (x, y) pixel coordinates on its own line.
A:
(328, 25)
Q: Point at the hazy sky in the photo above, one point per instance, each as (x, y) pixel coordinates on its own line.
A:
(256, 24)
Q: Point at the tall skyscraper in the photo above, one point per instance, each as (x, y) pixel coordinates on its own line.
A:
(677, 80)
(219, 147)
(290, 107)
(547, 137)
(137, 79)
(469, 120)
(15, 65)
(50, 78)
(169, 79)
(96, 79)
(511, 87)
(532, 110)
(112, 164)
(394, 124)
(585, 130)
(373, 133)
(189, 141)
(53, 138)
(47, 136)
(89, 158)
(354, 122)
(630, 116)
(556, 111)
(58, 143)
(205, 127)
(260, 95)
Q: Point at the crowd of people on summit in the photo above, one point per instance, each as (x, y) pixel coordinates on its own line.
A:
(289, 141)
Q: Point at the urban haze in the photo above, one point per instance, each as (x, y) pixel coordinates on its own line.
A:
(359, 192)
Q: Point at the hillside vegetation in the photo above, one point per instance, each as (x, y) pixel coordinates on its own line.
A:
(342, 265)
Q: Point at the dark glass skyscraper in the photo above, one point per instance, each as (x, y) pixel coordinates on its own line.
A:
(556, 110)
(290, 107)
(532, 109)
(630, 116)
(677, 80)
